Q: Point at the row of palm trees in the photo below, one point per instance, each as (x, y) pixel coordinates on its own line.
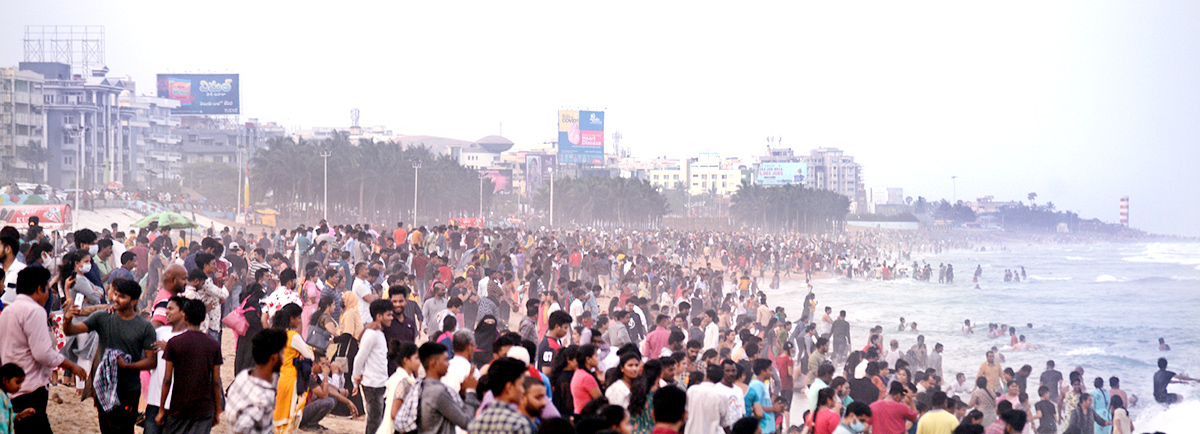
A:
(591, 200)
(368, 181)
(788, 207)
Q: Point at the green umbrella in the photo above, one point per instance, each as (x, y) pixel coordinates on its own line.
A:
(170, 220)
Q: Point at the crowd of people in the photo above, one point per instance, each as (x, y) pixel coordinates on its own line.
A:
(438, 330)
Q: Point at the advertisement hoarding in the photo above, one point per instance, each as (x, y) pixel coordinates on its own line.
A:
(501, 179)
(782, 173)
(537, 172)
(51, 215)
(202, 94)
(581, 137)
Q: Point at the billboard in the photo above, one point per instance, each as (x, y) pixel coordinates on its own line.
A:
(580, 137)
(782, 173)
(52, 216)
(202, 94)
(501, 179)
(537, 172)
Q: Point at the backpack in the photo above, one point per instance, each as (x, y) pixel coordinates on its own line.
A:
(408, 417)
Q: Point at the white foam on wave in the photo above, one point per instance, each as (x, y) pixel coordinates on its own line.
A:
(1168, 253)
(1078, 258)
(1179, 418)
(1051, 279)
(1089, 351)
(1109, 278)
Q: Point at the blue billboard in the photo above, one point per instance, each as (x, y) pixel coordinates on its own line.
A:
(581, 137)
(202, 94)
(782, 173)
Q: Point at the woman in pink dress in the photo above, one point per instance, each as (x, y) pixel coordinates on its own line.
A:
(311, 294)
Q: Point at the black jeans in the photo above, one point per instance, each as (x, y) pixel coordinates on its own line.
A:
(37, 401)
(123, 416)
(373, 400)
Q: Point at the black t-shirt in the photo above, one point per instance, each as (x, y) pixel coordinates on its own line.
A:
(862, 389)
(1051, 379)
(1161, 379)
(1047, 424)
(546, 351)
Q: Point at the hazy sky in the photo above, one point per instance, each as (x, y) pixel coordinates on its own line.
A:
(1080, 102)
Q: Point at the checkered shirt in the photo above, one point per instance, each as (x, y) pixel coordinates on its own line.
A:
(501, 418)
(251, 405)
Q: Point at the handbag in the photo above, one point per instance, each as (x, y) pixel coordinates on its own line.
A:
(318, 337)
(236, 319)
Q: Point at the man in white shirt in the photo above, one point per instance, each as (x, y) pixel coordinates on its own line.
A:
(735, 397)
(362, 288)
(460, 366)
(370, 367)
(175, 326)
(893, 353)
(576, 309)
(712, 333)
(707, 405)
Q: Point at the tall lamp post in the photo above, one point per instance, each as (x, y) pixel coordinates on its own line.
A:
(325, 208)
(416, 178)
(954, 183)
(551, 172)
(482, 176)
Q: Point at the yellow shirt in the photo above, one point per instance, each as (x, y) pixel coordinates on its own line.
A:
(937, 422)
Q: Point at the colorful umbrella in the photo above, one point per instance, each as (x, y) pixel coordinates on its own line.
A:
(170, 220)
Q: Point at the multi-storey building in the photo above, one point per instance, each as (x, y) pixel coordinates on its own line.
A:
(83, 127)
(22, 125)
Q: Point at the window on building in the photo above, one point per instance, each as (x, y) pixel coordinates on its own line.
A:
(676, 177)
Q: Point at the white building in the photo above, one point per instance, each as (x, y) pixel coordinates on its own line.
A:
(22, 125)
(711, 174)
(150, 124)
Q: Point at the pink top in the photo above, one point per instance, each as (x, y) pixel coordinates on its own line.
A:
(581, 385)
(26, 342)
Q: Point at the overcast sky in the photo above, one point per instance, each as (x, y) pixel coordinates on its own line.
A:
(1080, 102)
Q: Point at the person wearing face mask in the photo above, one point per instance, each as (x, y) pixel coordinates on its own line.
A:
(85, 240)
(9, 246)
(858, 414)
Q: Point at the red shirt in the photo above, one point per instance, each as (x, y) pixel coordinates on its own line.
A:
(826, 421)
(887, 416)
(661, 430)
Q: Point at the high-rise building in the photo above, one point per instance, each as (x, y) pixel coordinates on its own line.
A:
(148, 122)
(831, 169)
(83, 127)
(22, 126)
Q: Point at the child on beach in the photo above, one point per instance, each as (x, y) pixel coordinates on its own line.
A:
(11, 377)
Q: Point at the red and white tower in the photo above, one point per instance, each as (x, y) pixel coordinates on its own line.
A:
(1125, 211)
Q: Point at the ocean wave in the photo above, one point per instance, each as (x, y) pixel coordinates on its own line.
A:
(1050, 279)
(1166, 253)
(1089, 351)
(1078, 258)
(1177, 418)
(1105, 278)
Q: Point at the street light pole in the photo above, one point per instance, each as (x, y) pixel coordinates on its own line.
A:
(954, 181)
(551, 171)
(416, 178)
(325, 207)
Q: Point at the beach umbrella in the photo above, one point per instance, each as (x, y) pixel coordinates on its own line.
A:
(171, 220)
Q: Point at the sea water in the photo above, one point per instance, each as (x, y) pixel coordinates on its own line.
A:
(1099, 306)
